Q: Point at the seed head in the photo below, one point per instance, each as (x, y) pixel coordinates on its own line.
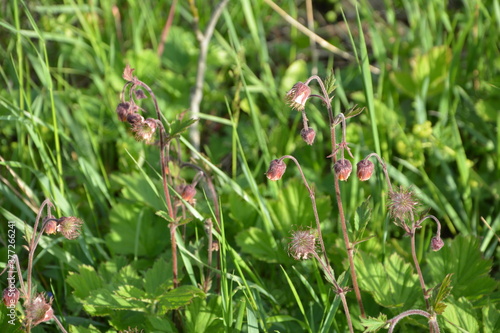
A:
(69, 227)
(10, 296)
(402, 204)
(276, 170)
(436, 243)
(308, 134)
(298, 95)
(365, 169)
(342, 169)
(39, 310)
(302, 245)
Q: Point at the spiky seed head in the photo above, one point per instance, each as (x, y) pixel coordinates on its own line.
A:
(298, 95)
(69, 227)
(436, 243)
(308, 135)
(342, 168)
(303, 244)
(276, 169)
(402, 204)
(365, 169)
(39, 310)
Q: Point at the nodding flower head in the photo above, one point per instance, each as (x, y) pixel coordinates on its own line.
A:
(139, 94)
(342, 168)
(276, 170)
(298, 95)
(39, 310)
(69, 227)
(365, 169)
(308, 135)
(188, 192)
(145, 130)
(51, 227)
(123, 110)
(436, 243)
(402, 204)
(303, 244)
(134, 118)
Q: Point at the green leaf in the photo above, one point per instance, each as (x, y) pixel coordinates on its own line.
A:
(439, 293)
(404, 82)
(164, 215)
(257, 243)
(158, 278)
(85, 281)
(330, 82)
(372, 324)
(462, 258)
(392, 283)
(362, 215)
(491, 318)
(104, 302)
(462, 314)
(178, 126)
(178, 297)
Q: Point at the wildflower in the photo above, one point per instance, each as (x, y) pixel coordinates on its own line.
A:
(436, 243)
(365, 169)
(39, 310)
(123, 110)
(145, 130)
(139, 94)
(342, 169)
(308, 135)
(402, 203)
(302, 245)
(298, 95)
(51, 227)
(276, 170)
(10, 296)
(69, 227)
(134, 118)
(188, 192)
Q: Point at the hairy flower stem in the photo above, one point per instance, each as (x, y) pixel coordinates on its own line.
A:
(415, 261)
(349, 248)
(432, 322)
(338, 290)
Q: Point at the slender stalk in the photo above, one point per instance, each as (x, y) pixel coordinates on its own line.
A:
(417, 265)
(349, 248)
(61, 327)
(315, 209)
(339, 290)
(384, 169)
(402, 315)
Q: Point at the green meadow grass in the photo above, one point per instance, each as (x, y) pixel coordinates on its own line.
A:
(426, 72)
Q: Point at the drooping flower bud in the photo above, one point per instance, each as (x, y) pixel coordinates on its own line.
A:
(134, 118)
(302, 245)
(123, 110)
(10, 297)
(276, 170)
(436, 243)
(69, 227)
(139, 94)
(308, 135)
(188, 193)
(365, 169)
(342, 168)
(39, 310)
(298, 95)
(51, 227)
